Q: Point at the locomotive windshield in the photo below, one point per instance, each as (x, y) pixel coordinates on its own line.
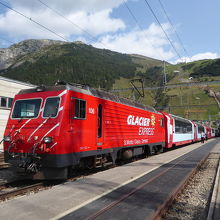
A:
(51, 107)
(28, 108)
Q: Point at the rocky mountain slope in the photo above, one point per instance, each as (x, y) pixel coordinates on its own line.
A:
(8, 56)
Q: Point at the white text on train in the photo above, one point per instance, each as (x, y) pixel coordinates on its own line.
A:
(136, 120)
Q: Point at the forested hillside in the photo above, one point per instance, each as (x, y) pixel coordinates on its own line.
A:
(72, 63)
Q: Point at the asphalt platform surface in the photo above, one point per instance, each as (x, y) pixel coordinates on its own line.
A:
(144, 197)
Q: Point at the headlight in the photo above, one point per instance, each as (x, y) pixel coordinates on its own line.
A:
(48, 140)
(7, 138)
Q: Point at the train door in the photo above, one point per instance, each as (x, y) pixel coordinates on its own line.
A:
(195, 132)
(100, 137)
(169, 131)
(78, 122)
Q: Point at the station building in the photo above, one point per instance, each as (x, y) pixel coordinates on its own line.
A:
(8, 89)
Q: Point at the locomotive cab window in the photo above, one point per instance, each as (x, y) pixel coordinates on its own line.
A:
(51, 107)
(80, 109)
(28, 108)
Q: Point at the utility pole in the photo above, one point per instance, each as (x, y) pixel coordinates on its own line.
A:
(164, 74)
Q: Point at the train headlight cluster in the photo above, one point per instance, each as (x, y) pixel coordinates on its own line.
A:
(48, 140)
(7, 138)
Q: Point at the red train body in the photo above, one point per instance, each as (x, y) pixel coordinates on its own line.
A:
(51, 129)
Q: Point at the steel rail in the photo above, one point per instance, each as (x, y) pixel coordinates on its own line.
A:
(19, 191)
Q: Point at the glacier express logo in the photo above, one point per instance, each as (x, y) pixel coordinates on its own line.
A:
(153, 120)
(136, 120)
(144, 124)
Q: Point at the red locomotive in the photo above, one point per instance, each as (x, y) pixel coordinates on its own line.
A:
(52, 129)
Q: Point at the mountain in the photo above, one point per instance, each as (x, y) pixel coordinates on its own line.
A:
(45, 61)
(8, 56)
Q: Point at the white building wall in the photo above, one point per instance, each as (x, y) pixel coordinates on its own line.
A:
(8, 88)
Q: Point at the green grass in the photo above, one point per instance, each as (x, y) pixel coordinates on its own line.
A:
(188, 102)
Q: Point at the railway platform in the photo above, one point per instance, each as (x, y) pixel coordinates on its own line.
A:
(136, 190)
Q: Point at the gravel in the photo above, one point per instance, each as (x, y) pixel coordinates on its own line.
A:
(193, 201)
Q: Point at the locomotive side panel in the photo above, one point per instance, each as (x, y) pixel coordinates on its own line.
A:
(128, 126)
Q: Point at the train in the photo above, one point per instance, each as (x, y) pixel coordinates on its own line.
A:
(54, 130)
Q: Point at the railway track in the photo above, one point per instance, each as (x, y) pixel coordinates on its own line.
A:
(3, 165)
(20, 187)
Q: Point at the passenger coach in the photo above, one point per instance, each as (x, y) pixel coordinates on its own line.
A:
(179, 131)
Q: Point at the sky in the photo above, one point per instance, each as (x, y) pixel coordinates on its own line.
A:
(191, 31)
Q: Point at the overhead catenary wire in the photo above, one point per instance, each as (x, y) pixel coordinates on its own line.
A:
(43, 26)
(67, 19)
(39, 24)
(166, 35)
(140, 27)
(32, 20)
(174, 29)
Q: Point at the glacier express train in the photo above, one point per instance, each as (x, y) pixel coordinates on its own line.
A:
(52, 129)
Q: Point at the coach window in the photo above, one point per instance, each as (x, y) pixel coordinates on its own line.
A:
(201, 129)
(80, 109)
(178, 128)
(183, 127)
(51, 107)
(189, 128)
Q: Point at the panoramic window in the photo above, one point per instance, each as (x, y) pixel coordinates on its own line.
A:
(51, 107)
(28, 108)
(80, 109)
(201, 129)
(182, 126)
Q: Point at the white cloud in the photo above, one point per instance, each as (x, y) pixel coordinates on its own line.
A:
(68, 6)
(199, 56)
(149, 42)
(93, 16)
